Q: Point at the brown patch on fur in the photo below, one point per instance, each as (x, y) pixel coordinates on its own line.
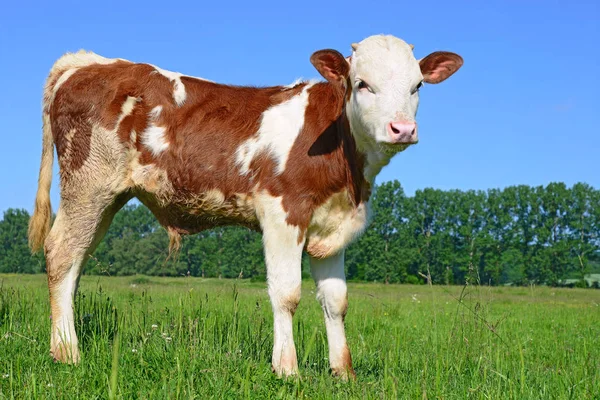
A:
(345, 371)
(344, 307)
(318, 250)
(291, 301)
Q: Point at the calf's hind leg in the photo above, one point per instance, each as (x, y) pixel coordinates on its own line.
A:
(78, 228)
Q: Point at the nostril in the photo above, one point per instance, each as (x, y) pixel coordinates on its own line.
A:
(402, 131)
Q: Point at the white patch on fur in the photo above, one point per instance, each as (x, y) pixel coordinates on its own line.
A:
(213, 197)
(179, 94)
(153, 138)
(335, 224)
(150, 178)
(294, 84)
(271, 214)
(81, 59)
(126, 109)
(155, 113)
(279, 127)
(65, 322)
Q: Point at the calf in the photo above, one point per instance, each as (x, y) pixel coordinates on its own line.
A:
(295, 162)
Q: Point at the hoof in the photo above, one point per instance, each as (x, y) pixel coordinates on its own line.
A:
(345, 374)
(282, 372)
(65, 354)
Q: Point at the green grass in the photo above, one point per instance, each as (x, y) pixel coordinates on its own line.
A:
(207, 338)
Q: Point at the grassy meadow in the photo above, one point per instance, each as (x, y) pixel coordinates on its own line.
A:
(172, 338)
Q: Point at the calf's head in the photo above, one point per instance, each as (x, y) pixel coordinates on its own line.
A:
(382, 78)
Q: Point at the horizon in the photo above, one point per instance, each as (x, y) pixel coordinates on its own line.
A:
(135, 201)
(521, 111)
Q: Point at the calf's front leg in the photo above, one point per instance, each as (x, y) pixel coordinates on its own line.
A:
(283, 255)
(330, 279)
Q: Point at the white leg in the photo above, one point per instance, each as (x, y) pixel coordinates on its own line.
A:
(72, 238)
(283, 255)
(65, 251)
(330, 279)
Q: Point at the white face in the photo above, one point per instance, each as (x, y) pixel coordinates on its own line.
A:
(385, 77)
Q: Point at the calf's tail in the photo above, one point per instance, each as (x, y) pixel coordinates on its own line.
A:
(39, 224)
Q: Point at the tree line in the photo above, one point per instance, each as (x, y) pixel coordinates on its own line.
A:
(518, 235)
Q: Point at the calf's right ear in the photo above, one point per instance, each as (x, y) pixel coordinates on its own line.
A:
(332, 65)
(439, 66)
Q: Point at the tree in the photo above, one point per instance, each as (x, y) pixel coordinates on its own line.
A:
(517, 235)
(14, 251)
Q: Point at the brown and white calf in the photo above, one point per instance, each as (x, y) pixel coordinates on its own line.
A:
(295, 162)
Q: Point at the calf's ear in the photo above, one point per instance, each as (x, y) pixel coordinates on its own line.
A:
(332, 65)
(439, 66)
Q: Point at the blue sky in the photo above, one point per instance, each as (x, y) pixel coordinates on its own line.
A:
(524, 109)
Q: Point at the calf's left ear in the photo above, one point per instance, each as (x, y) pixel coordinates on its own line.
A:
(439, 66)
(332, 65)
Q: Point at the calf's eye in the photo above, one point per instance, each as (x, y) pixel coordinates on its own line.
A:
(362, 85)
(416, 89)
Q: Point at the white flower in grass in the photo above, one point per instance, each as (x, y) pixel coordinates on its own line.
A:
(50, 385)
(4, 376)
(134, 350)
(154, 326)
(168, 338)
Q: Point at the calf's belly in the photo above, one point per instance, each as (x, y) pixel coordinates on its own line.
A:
(194, 213)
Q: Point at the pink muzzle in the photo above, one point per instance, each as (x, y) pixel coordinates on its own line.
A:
(403, 132)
